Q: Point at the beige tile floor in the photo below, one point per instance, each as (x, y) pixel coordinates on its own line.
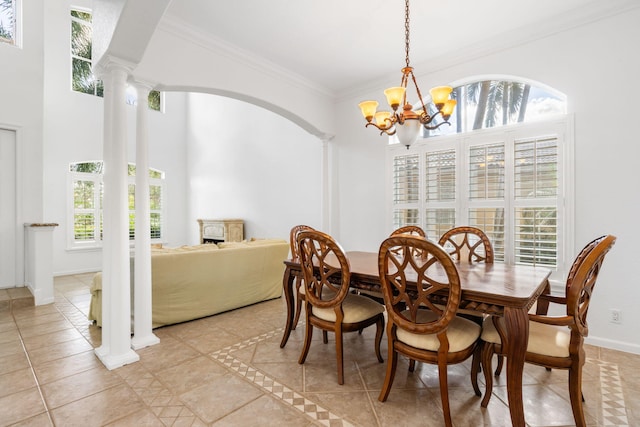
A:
(228, 370)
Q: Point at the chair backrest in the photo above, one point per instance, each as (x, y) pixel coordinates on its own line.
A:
(325, 268)
(467, 244)
(583, 280)
(293, 234)
(588, 248)
(409, 283)
(413, 230)
(409, 229)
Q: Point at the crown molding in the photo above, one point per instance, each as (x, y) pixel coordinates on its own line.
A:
(224, 48)
(586, 14)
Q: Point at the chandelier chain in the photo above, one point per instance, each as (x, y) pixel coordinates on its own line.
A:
(406, 31)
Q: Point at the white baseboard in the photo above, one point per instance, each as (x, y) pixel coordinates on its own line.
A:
(613, 345)
(72, 272)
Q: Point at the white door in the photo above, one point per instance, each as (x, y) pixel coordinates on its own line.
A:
(7, 208)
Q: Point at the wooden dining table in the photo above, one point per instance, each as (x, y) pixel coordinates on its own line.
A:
(496, 289)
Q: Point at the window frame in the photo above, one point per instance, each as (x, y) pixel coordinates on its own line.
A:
(98, 88)
(98, 179)
(562, 126)
(16, 40)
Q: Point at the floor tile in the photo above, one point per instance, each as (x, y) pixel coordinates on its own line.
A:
(98, 409)
(219, 371)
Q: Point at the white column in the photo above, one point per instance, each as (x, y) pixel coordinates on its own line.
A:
(326, 184)
(115, 350)
(143, 335)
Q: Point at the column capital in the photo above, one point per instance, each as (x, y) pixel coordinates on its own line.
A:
(110, 63)
(142, 85)
(326, 137)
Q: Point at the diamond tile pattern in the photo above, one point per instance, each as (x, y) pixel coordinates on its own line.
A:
(47, 348)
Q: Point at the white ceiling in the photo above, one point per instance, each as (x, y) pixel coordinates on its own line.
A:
(339, 44)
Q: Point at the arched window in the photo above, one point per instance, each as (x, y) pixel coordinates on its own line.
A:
(86, 204)
(488, 104)
(503, 165)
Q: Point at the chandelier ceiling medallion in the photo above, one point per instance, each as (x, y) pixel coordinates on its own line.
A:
(406, 123)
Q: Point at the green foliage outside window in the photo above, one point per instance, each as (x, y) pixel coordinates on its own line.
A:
(87, 205)
(82, 78)
(7, 21)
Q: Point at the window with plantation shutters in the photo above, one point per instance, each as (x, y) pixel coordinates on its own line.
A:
(406, 190)
(86, 222)
(486, 191)
(509, 182)
(535, 171)
(440, 192)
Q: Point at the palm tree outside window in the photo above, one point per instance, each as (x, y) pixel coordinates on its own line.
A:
(503, 166)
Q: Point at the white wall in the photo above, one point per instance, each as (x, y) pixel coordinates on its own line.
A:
(20, 110)
(247, 162)
(265, 172)
(584, 63)
(73, 132)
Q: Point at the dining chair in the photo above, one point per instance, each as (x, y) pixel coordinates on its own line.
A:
(409, 229)
(467, 244)
(556, 341)
(470, 244)
(328, 304)
(295, 255)
(417, 327)
(413, 230)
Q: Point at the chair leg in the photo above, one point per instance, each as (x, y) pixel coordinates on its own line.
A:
(339, 356)
(444, 392)
(475, 369)
(500, 364)
(575, 394)
(412, 365)
(392, 363)
(308, 334)
(298, 283)
(298, 310)
(325, 337)
(487, 355)
(378, 341)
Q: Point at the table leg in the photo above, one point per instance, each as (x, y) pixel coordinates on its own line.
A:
(287, 286)
(542, 307)
(517, 334)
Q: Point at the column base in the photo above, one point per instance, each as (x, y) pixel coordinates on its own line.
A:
(113, 361)
(145, 341)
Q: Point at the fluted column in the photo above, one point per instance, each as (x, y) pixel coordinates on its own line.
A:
(115, 350)
(142, 323)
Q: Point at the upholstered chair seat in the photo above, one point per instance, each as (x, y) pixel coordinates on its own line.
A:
(549, 340)
(462, 333)
(355, 308)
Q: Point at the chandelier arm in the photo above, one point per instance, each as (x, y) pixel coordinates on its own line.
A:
(389, 131)
(436, 126)
(425, 118)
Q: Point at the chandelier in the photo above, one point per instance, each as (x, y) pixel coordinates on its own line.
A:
(406, 123)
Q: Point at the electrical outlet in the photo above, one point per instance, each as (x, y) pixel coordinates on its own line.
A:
(616, 316)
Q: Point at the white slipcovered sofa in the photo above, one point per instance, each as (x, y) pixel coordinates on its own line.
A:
(191, 282)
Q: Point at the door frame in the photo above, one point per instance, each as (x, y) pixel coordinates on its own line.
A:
(19, 225)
